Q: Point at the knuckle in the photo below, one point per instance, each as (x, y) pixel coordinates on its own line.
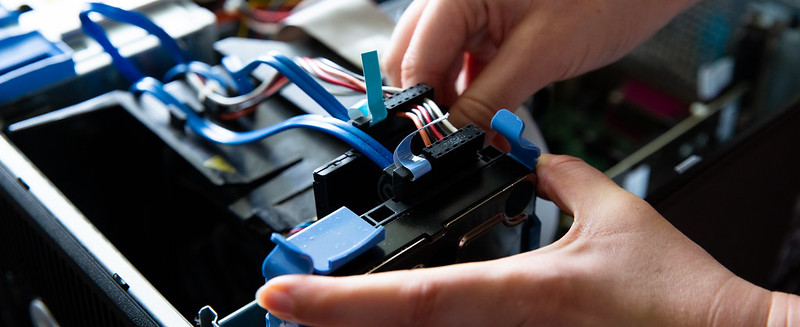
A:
(412, 70)
(424, 299)
(475, 110)
(563, 159)
(390, 60)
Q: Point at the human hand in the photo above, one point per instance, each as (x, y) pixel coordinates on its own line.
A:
(620, 264)
(514, 47)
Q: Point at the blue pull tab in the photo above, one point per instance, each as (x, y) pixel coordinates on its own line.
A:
(322, 247)
(511, 127)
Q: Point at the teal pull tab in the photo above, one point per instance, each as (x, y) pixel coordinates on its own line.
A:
(372, 78)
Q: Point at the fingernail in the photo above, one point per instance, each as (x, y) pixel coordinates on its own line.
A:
(278, 301)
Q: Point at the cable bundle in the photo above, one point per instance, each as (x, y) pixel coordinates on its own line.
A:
(210, 130)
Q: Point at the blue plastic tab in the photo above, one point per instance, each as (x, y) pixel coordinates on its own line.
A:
(328, 244)
(8, 17)
(320, 248)
(337, 239)
(511, 127)
(372, 78)
(29, 62)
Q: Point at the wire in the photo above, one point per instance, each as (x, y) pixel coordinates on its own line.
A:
(261, 92)
(331, 64)
(434, 116)
(312, 65)
(392, 89)
(279, 83)
(438, 126)
(338, 71)
(360, 84)
(425, 120)
(422, 113)
(299, 77)
(428, 120)
(215, 133)
(327, 74)
(323, 75)
(203, 86)
(271, 15)
(427, 109)
(418, 124)
(299, 228)
(199, 68)
(438, 111)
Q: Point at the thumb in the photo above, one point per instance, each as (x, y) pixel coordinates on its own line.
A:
(458, 295)
(577, 188)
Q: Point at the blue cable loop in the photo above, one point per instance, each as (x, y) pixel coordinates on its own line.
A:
(299, 77)
(403, 156)
(231, 63)
(349, 134)
(92, 29)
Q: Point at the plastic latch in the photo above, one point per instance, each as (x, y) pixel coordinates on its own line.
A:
(511, 127)
(359, 111)
(322, 247)
(285, 259)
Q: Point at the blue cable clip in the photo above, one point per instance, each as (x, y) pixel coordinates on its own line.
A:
(511, 127)
(320, 248)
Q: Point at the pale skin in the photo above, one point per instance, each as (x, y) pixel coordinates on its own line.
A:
(620, 264)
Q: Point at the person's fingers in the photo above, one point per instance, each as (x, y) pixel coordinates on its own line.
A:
(459, 295)
(574, 186)
(509, 76)
(401, 36)
(432, 58)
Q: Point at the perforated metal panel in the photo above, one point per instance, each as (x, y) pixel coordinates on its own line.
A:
(39, 259)
(696, 37)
